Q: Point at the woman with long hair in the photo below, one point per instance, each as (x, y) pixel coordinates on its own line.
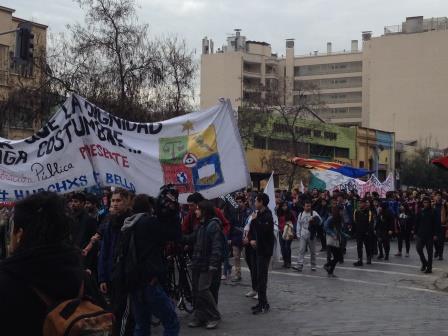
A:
(333, 229)
(207, 260)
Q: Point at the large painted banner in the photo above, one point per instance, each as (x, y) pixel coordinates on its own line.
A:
(82, 146)
(330, 180)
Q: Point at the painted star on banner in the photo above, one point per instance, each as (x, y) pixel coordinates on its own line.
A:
(187, 126)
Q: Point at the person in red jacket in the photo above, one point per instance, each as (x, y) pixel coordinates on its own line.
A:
(190, 222)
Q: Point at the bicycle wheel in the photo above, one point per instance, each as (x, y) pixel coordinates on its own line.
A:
(185, 286)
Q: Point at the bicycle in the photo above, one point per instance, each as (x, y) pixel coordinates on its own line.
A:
(179, 281)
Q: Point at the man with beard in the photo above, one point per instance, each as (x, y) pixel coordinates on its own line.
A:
(83, 227)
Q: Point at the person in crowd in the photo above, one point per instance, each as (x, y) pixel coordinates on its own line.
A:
(307, 223)
(191, 223)
(250, 256)
(347, 212)
(405, 228)
(110, 241)
(441, 212)
(82, 227)
(239, 221)
(92, 206)
(42, 260)
(143, 267)
(207, 258)
(363, 229)
(383, 229)
(286, 223)
(333, 229)
(324, 212)
(426, 231)
(261, 237)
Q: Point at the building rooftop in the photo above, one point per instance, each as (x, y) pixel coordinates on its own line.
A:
(7, 9)
(417, 24)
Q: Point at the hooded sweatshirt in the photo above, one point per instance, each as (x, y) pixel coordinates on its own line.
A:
(54, 270)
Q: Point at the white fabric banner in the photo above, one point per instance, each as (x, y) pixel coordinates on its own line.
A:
(82, 146)
(336, 181)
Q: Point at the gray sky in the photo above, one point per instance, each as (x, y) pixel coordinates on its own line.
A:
(311, 22)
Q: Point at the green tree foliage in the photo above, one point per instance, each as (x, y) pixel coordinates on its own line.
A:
(417, 171)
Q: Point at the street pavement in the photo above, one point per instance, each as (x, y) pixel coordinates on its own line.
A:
(385, 298)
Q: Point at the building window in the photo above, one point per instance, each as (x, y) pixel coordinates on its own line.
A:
(303, 131)
(259, 142)
(330, 135)
(342, 152)
(280, 128)
(317, 134)
(321, 151)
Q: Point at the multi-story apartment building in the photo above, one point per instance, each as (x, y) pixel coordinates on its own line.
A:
(248, 71)
(405, 72)
(13, 75)
(396, 83)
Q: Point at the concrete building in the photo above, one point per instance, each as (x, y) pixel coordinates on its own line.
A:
(13, 75)
(375, 150)
(248, 71)
(405, 72)
(397, 83)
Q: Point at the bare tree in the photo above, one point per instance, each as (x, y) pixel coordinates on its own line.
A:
(112, 61)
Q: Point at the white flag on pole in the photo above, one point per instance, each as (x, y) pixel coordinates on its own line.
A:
(270, 191)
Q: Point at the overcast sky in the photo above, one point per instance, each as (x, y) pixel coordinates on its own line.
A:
(311, 22)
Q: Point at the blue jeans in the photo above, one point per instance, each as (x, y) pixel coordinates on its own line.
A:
(152, 300)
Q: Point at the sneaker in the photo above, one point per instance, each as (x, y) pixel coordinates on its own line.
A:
(358, 263)
(261, 309)
(250, 294)
(212, 324)
(423, 268)
(223, 277)
(195, 324)
(428, 271)
(331, 275)
(236, 279)
(398, 254)
(255, 297)
(327, 268)
(313, 268)
(369, 262)
(407, 255)
(255, 307)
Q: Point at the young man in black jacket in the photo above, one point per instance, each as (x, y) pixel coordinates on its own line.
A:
(363, 228)
(261, 235)
(426, 231)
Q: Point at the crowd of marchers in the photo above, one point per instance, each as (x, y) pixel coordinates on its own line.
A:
(100, 263)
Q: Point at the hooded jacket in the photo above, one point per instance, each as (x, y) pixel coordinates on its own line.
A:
(208, 248)
(54, 270)
(145, 236)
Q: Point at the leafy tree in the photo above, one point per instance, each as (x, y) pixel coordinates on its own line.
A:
(417, 171)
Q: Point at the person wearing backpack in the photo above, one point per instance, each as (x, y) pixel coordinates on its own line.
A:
(142, 267)
(307, 225)
(43, 275)
(208, 254)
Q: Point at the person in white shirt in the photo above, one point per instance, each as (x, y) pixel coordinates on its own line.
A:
(307, 224)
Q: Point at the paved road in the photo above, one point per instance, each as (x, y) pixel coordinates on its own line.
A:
(385, 298)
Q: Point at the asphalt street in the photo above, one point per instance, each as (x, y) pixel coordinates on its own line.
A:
(385, 298)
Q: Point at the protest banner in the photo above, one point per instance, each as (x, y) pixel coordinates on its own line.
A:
(330, 180)
(83, 146)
